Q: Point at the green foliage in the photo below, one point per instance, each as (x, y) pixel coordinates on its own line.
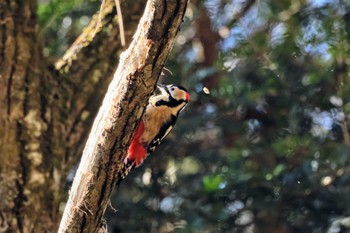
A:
(62, 21)
(212, 184)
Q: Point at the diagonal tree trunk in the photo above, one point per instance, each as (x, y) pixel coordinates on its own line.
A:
(45, 112)
(87, 68)
(122, 108)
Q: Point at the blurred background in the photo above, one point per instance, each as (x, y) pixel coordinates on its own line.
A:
(264, 145)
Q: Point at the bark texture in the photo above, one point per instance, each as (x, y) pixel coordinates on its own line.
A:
(46, 111)
(27, 185)
(87, 68)
(123, 105)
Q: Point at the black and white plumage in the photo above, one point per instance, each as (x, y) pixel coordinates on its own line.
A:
(161, 114)
(157, 122)
(163, 132)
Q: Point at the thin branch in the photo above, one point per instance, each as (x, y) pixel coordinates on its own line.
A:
(122, 108)
(238, 16)
(120, 21)
(98, 24)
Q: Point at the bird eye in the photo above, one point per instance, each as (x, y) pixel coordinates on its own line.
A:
(172, 89)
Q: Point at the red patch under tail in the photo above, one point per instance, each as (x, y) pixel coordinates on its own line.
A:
(187, 97)
(137, 152)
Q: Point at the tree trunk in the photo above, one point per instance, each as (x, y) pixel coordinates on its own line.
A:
(118, 117)
(29, 191)
(46, 112)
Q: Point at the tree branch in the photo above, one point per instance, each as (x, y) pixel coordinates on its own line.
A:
(123, 105)
(84, 73)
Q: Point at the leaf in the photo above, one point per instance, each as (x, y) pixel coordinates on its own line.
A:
(212, 183)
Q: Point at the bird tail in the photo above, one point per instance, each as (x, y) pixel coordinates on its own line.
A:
(136, 154)
(128, 165)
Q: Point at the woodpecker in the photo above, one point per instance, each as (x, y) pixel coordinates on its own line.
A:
(156, 123)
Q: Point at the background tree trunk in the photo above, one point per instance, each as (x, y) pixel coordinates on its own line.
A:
(29, 191)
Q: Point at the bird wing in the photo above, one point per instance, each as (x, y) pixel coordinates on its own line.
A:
(163, 132)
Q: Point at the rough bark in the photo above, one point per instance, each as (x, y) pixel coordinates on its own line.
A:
(45, 114)
(85, 71)
(122, 108)
(27, 184)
